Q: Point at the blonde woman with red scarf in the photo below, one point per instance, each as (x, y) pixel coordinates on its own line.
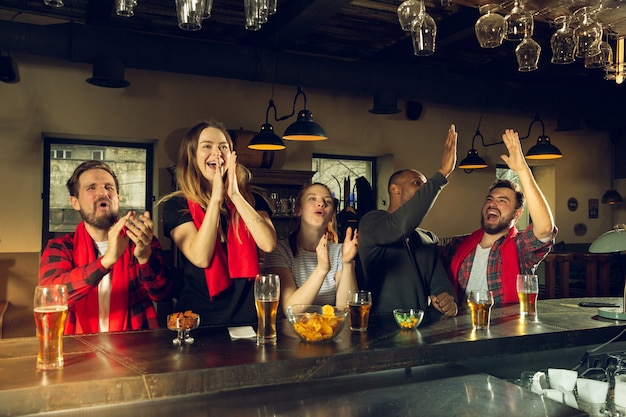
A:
(218, 222)
(492, 256)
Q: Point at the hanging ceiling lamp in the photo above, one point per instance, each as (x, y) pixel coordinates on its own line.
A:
(543, 149)
(304, 128)
(267, 140)
(472, 160)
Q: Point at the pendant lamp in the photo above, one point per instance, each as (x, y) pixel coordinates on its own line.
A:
(267, 140)
(543, 149)
(304, 128)
(472, 160)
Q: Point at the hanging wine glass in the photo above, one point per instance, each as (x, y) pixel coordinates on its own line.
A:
(603, 58)
(407, 11)
(519, 23)
(206, 12)
(423, 32)
(490, 28)
(588, 33)
(527, 53)
(563, 42)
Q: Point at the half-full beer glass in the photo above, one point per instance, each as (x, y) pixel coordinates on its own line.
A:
(359, 304)
(527, 291)
(480, 304)
(50, 309)
(266, 296)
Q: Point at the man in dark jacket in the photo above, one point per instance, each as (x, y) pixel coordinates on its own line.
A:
(401, 262)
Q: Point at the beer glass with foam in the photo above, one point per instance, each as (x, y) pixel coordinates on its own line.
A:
(266, 297)
(480, 304)
(527, 291)
(359, 304)
(50, 310)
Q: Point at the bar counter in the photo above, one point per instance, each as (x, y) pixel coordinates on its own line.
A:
(122, 370)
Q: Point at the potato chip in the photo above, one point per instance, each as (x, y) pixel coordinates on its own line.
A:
(328, 310)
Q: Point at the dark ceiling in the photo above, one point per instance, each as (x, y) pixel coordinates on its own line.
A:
(338, 45)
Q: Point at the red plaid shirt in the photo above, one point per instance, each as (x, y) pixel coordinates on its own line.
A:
(530, 249)
(148, 282)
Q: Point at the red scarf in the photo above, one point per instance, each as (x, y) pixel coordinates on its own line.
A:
(243, 256)
(509, 259)
(87, 309)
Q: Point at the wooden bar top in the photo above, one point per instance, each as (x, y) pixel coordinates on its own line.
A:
(113, 368)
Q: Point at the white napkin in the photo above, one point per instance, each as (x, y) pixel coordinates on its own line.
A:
(243, 332)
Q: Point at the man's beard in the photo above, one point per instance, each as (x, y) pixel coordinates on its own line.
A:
(502, 225)
(104, 222)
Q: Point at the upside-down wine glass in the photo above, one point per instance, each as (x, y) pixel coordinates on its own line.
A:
(519, 23)
(563, 42)
(602, 59)
(423, 32)
(527, 53)
(490, 28)
(588, 33)
(407, 11)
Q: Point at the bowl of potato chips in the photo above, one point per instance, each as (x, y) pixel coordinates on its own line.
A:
(315, 323)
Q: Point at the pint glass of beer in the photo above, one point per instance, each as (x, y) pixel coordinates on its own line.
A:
(50, 309)
(359, 304)
(527, 291)
(480, 304)
(266, 296)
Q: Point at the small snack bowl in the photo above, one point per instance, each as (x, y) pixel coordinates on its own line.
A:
(408, 318)
(316, 324)
(182, 323)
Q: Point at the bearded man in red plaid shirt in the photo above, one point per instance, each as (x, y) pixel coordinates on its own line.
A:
(491, 257)
(113, 267)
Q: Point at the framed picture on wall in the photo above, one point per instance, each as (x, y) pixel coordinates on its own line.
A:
(132, 163)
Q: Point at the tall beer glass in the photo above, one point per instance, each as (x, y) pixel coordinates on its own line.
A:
(50, 309)
(266, 296)
(527, 291)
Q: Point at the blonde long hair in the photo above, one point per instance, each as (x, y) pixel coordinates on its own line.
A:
(191, 183)
(331, 230)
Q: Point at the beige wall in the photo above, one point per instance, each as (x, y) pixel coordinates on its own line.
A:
(53, 96)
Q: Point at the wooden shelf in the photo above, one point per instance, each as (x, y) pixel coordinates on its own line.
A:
(280, 177)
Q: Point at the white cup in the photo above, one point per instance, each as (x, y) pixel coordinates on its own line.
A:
(620, 390)
(592, 391)
(562, 379)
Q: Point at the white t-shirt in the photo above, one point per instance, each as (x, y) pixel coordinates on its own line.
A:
(478, 274)
(303, 265)
(104, 292)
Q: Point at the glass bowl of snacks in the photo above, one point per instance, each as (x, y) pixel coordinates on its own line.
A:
(408, 318)
(182, 323)
(315, 323)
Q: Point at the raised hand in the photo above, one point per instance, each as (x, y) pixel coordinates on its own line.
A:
(117, 242)
(231, 169)
(515, 159)
(448, 160)
(217, 187)
(323, 261)
(140, 230)
(350, 246)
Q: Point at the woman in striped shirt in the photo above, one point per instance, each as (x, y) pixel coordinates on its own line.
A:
(313, 267)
